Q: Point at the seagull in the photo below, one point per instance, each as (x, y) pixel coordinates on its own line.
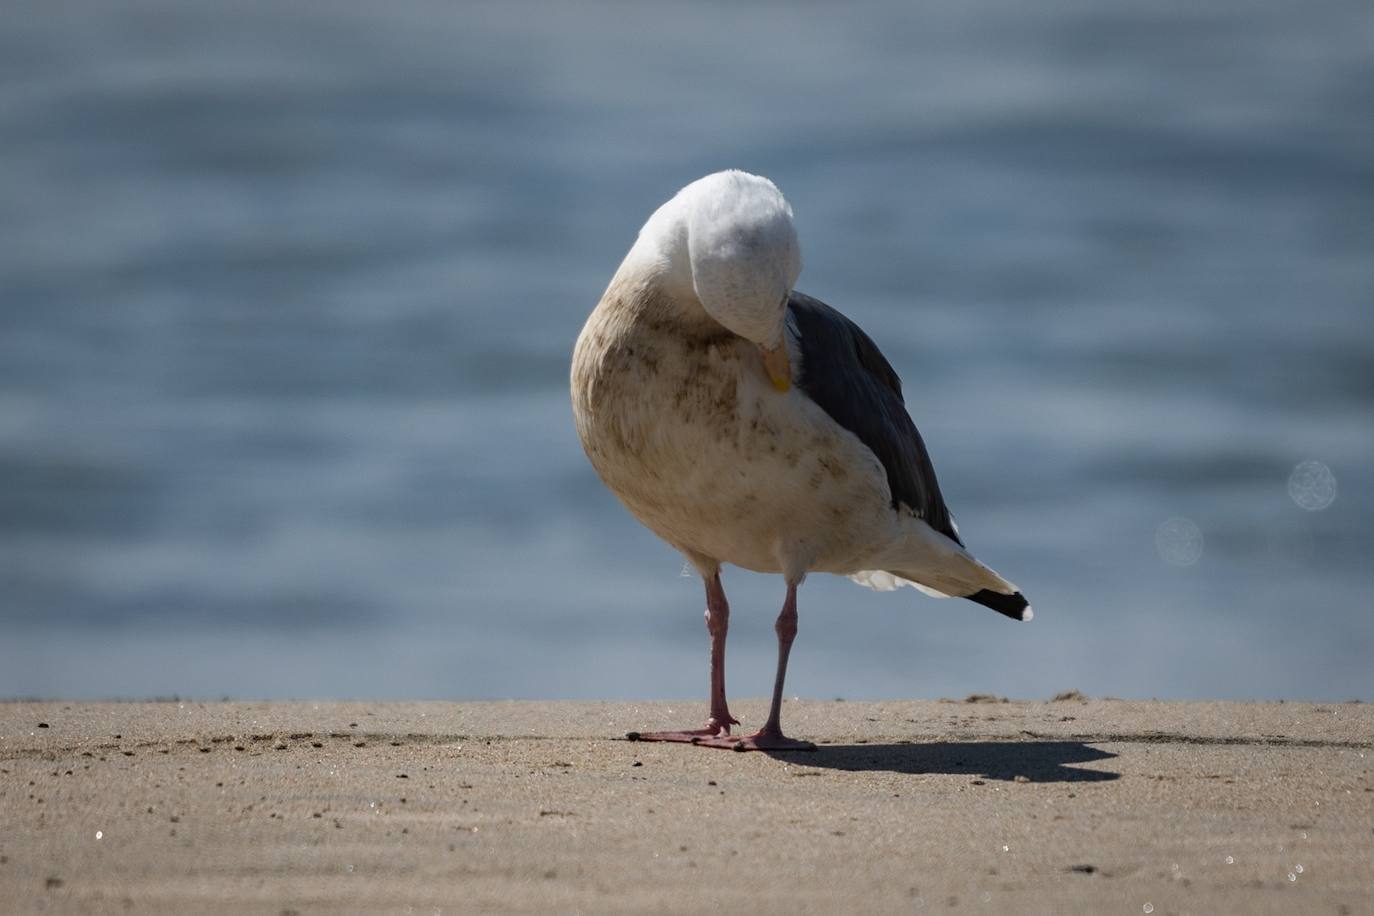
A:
(744, 422)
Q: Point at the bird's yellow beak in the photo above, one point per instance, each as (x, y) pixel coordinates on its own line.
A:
(779, 368)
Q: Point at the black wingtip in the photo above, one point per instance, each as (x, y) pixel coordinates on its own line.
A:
(1014, 606)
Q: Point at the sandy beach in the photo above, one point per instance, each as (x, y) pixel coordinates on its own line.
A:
(972, 806)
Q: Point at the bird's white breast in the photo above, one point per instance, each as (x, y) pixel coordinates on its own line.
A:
(681, 423)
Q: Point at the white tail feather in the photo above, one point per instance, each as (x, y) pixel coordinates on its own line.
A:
(882, 581)
(927, 560)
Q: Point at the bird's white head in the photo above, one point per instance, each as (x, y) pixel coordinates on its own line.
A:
(729, 238)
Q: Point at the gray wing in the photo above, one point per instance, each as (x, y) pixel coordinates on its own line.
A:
(847, 376)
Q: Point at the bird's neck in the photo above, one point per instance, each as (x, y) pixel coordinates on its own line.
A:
(640, 298)
(654, 282)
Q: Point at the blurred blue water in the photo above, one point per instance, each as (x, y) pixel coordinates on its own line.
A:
(288, 293)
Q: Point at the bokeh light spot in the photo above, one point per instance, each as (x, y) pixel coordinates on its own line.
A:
(1312, 485)
(1179, 541)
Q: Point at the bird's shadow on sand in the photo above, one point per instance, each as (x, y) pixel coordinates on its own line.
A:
(1036, 761)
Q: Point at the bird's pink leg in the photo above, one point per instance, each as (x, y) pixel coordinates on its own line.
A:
(717, 624)
(770, 737)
